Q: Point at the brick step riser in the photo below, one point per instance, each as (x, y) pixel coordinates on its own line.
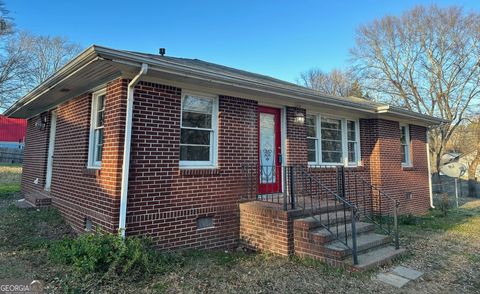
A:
(364, 248)
(341, 234)
(38, 201)
(331, 222)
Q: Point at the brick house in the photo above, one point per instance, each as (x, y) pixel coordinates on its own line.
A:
(198, 155)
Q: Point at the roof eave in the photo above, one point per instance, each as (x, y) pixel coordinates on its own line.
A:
(205, 74)
(84, 58)
(428, 119)
(127, 58)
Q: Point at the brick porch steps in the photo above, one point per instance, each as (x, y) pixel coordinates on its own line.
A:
(325, 235)
(365, 242)
(38, 199)
(313, 222)
(313, 240)
(377, 257)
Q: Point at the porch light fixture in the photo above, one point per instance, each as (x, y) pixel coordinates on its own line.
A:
(299, 117)
(41, 123)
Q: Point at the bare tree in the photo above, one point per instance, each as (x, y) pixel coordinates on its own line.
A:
(426, 60)
(336, 82)
(10, 59)
(44, 55)
(29, 60)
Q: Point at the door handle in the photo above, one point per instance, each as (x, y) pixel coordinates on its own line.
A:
(280, 159)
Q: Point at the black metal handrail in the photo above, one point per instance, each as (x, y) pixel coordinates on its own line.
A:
(269, 183)
(314, 188)
(373, 204)
(299, 189)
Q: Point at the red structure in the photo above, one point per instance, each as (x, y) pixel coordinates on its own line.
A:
(12, 129)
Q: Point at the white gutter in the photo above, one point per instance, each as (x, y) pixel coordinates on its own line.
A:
(429, 171)
(126, 150)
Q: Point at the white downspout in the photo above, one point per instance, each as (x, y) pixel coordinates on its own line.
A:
(126, 150)
(429, 171)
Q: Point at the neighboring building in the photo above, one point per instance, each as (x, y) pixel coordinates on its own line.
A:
(218, 156)
(12, 132)
(12, 139)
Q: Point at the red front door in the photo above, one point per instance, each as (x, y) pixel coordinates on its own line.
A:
(269, 150)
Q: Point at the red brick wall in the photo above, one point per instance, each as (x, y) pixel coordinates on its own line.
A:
(296, 145)
(383, 160)
(35, 156)
(381, 166)
(266, 228)
(77, 191)
(164, 201)
(312, 245)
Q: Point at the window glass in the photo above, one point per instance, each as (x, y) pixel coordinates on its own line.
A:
(336, 140)
(97, 130)
(331, 133)
(352, 141)
(311, 138)
(197, 130)
(405, 144)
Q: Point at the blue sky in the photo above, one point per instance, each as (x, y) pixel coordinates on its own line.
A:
(276, 38)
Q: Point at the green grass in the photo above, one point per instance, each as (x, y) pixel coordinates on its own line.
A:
(6, 189)
(464, 220)
(31, 228)
(10, 176)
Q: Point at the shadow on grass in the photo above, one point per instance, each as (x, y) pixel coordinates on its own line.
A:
(29, 228)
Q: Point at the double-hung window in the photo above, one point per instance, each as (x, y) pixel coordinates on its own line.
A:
(405, 144)
(352, 142)
(312, 139)
(332, 140)
(331, 137)
(95, 149)
(198, 134)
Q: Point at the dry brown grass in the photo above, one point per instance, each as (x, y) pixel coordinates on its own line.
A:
(447, 249)
(10, 176)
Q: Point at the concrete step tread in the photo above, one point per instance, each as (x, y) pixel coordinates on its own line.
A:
(332, 216)
(364, 242)
(361, 227)
(23, 203)
(377, 257)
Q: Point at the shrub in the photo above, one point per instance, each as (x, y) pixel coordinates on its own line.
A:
(444, 204)
(408, 220)
(106, 252)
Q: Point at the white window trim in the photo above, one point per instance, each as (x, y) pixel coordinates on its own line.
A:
(408, 139)
(213, 162)
(357, 140)
(317, 159)
(345, 162)
(92, 164)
